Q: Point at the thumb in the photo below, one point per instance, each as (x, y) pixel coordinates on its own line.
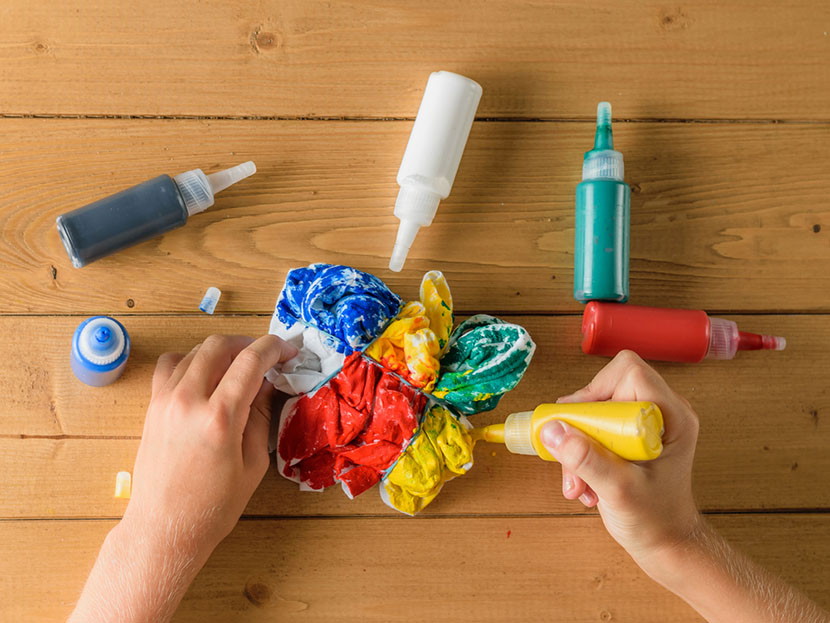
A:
(601, 469)
(257, 428)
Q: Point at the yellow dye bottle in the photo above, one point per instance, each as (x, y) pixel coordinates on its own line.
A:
(631, 430)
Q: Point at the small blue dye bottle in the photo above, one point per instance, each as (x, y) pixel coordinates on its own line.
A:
(100, 348)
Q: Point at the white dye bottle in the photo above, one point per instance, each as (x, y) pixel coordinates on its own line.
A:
(432, 155)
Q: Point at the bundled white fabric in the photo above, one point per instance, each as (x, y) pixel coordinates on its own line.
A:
(317, 360)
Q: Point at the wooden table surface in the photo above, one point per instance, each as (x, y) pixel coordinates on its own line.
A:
(721, 110)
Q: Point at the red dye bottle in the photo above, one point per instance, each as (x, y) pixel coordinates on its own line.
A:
(685, 335)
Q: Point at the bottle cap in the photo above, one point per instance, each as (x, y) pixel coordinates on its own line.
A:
(603, 161)
(101, 341)
(725, 340)
(198, 189)
(209, 301)
(123, 485)
(518, 433)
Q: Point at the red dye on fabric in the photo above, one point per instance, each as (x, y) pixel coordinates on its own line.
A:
(359, 479)
(317, 471)
(379, 455)
(304, 431)
(355, 384)
(351, 429)
(396, 412)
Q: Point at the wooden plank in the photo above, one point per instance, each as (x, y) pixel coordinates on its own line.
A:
(382, 570)
(722, 218)
(762, 420)
(313, 58)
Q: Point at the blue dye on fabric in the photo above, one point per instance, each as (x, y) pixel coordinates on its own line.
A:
(346, 303)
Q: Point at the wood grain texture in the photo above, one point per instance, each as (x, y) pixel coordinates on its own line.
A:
(723, 216)
(763, 419)
(702, 59)
(493, 569)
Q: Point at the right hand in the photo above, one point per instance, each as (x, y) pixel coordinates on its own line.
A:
(648, 506)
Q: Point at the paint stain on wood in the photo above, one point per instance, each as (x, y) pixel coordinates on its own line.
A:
(671, 20)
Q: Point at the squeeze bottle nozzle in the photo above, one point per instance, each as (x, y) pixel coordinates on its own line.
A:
(603, 161)
(198, 189)
(432, 155)
(631, 430)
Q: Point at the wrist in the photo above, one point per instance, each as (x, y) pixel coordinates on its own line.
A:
(668, 563)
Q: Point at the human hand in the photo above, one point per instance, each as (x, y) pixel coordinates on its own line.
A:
(647, 507)
(204, 449)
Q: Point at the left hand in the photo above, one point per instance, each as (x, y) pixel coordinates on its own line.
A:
(204, 449)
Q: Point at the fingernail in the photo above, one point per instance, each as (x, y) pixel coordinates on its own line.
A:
(553, 433)
(567, 484)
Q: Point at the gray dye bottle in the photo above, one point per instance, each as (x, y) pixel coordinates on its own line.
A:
(141, 212)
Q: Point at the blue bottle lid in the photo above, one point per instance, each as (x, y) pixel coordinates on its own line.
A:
(100, 344)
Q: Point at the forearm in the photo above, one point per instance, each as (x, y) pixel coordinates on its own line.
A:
(725, 586)
(141, 574)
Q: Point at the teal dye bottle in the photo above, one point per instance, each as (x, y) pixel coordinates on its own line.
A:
(603, 220)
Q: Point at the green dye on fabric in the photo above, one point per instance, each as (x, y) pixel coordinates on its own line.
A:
(486, 358)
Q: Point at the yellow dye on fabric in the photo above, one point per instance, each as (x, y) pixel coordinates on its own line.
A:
(412, 343)
(437, 299)
(443, 450)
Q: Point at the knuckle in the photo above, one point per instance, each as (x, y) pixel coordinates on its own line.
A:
(180, 400)
(216, 427)
(640, 373)
(164, 358)
(214, 341)
(629, 357)
(251, 360)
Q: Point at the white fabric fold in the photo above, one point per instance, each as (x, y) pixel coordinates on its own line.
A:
(317, 360)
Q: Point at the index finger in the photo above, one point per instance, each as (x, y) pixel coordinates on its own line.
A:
(241, 383)
(606, 381)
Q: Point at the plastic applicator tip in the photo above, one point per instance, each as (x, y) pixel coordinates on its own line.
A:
(398, 258)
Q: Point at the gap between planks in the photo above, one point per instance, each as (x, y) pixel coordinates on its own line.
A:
(443, 516)
(459, 313)
(586, 119)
